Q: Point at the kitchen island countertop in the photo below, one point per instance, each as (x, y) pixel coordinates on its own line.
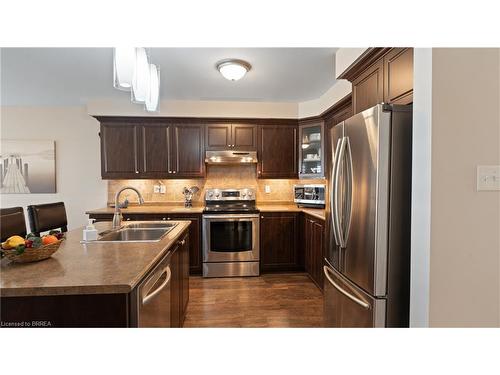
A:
(86, 268)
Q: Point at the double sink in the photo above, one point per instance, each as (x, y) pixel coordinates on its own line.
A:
(152, 231)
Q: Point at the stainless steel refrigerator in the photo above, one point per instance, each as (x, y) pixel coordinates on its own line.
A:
(367, 258)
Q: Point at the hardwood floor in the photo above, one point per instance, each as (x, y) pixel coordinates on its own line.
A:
(270, 300)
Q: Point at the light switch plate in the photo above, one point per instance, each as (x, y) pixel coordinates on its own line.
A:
(156, 188)
(488, 177)
(267, 189)
(163, 189)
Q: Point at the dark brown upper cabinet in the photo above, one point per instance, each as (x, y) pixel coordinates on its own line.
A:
(398, 76)
(119, 150)
(381, 75)
(187, 151)
(368, 87)
(154, 150)
(277, 151)
(231, 136)
(134, 150)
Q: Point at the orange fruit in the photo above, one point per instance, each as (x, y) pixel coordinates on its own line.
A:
(47, 240)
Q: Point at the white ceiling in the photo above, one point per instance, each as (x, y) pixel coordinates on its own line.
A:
(72, 76)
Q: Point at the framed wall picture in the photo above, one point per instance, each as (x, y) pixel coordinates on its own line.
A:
(27, 167)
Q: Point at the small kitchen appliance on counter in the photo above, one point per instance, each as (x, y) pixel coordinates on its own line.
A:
(312, 196)
(230, 233)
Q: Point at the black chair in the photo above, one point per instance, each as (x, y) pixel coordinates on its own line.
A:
(12, 222)
(45, 217)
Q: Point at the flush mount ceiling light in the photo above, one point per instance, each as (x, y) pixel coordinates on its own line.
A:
(233, 69)
(123, 67)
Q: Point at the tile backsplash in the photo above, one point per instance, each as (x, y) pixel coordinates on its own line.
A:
(217, 177)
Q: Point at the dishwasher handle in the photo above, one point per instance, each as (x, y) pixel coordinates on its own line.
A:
(146, 299)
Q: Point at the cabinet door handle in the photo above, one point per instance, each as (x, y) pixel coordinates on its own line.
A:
(174, 172)
(182, 242)
(136, 171)
(262, 217)
(164, 218)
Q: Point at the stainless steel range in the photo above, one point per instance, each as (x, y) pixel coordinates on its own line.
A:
(230, 233)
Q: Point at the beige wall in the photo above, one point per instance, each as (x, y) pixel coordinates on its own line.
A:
(78, 179)
(465, 224)
(186, 108)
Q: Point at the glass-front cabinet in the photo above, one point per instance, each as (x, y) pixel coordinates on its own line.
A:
(311, 152)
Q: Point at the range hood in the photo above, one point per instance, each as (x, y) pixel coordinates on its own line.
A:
(230, 157)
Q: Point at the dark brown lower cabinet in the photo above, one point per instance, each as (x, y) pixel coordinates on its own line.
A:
(313, 241)
(195, 262)
(278, 241)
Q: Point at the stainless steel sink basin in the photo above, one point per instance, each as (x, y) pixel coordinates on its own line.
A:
(137, 232)
(151, 225)
(134, 235)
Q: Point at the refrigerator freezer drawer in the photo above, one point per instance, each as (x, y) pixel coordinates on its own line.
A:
(347, 306)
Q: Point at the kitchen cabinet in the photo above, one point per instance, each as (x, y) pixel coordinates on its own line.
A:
(119, 150)
(368, 87)
(134, 150)
(195, 263)
(237, 136)
(187, 152)
(278, 241)
(277, 151)
(381, 75)
(398, 76)
(154, 147)
(311, 150)
(313, 242)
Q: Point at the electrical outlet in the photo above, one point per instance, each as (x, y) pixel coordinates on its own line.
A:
(488, 177)
(163, 189)
(156, 188)
(267, 189)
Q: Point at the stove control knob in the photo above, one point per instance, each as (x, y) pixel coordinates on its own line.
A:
(217, 195)
(250, 193)
(244, 195)
(210, 194)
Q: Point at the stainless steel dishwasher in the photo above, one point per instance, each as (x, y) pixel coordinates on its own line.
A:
(153, 296)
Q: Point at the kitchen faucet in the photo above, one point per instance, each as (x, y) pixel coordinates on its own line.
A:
(117, 217)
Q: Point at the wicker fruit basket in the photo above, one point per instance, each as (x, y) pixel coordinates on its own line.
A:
(32, 254)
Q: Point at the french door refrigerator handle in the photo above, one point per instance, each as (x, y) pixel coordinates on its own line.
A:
(360, 302)
(349, 182)
(333, 193)
(338, 164)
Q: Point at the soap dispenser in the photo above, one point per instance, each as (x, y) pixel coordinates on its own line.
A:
(90, 231)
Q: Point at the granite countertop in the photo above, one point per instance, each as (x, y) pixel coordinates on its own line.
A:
(291, 207)
(86, 268)
(180, 209)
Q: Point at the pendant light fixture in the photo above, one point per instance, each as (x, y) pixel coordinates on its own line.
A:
(153, 97)
(141, 78)
(233, 69)
(123, 67)
(133, 72)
